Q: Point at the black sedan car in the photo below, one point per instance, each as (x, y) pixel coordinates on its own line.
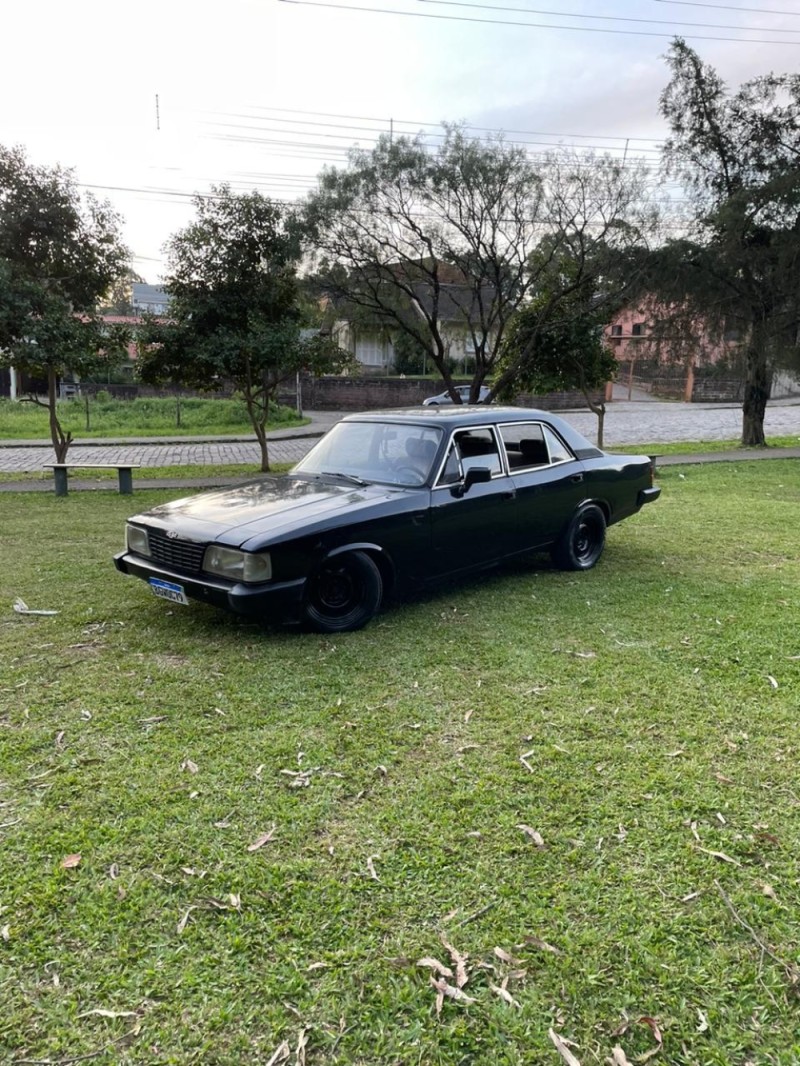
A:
(386, 501)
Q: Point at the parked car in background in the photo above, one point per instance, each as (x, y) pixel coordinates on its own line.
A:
(462, 390)
(385, 502)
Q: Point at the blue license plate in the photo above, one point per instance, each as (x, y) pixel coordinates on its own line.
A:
(168, 591)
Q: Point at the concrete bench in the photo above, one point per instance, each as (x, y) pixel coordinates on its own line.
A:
(124, 471)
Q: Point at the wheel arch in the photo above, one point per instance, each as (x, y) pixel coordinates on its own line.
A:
(378, 555)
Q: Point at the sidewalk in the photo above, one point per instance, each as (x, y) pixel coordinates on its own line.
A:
(734, 455)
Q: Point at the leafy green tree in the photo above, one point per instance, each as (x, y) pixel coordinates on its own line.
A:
(738, 265)
(59, 253)
(235, 307)
(561, 348)
(422, 239)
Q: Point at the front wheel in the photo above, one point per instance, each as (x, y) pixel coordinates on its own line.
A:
(343, 593)
(582, 543)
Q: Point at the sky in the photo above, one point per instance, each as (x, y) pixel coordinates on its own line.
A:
(153, 102)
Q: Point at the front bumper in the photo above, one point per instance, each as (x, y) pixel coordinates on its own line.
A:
(280, 602)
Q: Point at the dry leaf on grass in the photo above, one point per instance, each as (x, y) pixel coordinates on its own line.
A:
(459, 961)
(281, 1054)
(772, 681)
(532, 834)
(5, 932)
(524, 760)
(768, 890)
(542, 945)
(702, 1025)
(371, 867)
(21, 607)
(721, 777)
(185, 919)
(505, 995)
(618, 1057)
(190, 766)
(108, 1013)
(720, 855)
(300, 1050)
(504, 956)
(70, 862)
(264, 838)
(451, 991)
(434, 964)
(561, 1047)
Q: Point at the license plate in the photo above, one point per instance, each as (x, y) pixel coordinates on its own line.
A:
(168, 591)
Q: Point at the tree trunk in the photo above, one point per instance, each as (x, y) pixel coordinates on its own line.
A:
(61, 440)
(258, 419)
(757, 386)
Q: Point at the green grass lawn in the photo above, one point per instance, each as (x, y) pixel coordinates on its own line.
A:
(642, 718)
(136, 418)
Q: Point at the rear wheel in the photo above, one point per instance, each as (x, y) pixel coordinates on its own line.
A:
(583, 540)
(343, 593)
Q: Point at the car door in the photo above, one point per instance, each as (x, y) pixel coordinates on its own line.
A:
(548, 481)
(478, 526)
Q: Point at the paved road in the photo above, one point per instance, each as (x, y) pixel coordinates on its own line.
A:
(646, 422)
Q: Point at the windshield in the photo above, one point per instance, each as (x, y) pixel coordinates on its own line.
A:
(390, 453)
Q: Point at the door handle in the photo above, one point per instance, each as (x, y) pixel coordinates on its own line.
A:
(576, 478)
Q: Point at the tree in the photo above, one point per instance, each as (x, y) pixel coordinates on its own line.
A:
(738, 266)
(418, 238)
(234, 310)
(564, 350)
(59, 253)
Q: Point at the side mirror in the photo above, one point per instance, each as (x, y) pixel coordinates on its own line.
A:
(476, 475)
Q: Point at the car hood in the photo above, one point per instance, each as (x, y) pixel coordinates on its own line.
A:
(269, 508)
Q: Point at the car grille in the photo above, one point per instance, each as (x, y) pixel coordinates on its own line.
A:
(180, 554)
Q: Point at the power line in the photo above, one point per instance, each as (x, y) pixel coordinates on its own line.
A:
(530, 25)
(373, 140)
(418, 122)
(603, 18)
(730, 7)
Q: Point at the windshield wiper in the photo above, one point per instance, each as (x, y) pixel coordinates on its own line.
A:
(347, 477)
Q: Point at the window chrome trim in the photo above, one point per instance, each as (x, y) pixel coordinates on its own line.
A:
(498, 443)
(536, 466)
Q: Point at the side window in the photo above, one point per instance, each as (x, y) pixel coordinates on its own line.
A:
(478, 447)
(559, 452)
(451, 472)
(470, 448)
(532, 444)
(525, 445)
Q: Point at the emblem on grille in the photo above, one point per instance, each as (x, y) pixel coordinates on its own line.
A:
(172, 534)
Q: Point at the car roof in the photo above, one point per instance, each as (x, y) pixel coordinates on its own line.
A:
(463, 414)
(455, 416)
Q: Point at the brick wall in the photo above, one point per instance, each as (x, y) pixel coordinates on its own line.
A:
(374, 394)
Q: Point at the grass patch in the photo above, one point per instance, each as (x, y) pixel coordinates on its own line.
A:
(159, 743)
(700, 447)
(151, 473)
(152, 417)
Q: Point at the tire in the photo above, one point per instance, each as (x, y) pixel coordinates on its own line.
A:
(343, 593)
(582, 543)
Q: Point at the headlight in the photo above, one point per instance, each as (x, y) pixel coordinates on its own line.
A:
(250, 567)
(136, 540)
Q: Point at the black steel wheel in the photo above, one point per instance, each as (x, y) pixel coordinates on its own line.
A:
(583, 541)
(343, 593)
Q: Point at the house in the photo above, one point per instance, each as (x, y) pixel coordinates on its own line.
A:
(378, 343)
(149, 299)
